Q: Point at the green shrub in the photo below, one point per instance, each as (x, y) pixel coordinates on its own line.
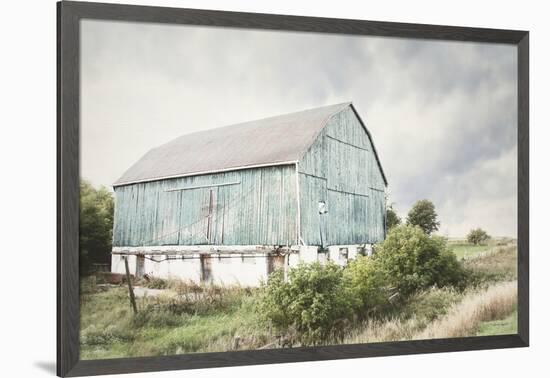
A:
(95, 335)
(412, 260)
(367, 283)
(426, 306)
(315, 303)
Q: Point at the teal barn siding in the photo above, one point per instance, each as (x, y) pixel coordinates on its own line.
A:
(342, 170)
(254, 207)
(171, 197)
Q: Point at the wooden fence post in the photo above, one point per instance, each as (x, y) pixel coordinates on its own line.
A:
(130, 289)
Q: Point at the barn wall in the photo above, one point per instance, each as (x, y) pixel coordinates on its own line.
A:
(259, 207)
(341, 169)
(229, 268)
(247, 271)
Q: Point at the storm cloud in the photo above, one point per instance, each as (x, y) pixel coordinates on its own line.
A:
(442, 114)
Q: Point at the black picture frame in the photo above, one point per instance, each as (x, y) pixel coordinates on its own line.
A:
(69, 15)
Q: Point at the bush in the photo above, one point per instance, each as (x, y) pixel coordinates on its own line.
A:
(367, 283)
(315, 302)
(477, 236)
(412, 260)
(431, 304)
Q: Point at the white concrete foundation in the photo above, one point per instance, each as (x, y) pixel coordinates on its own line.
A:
(246, 269)
(308, 254)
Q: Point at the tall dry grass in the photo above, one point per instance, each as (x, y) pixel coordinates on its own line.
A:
(496, 302)
(461, 319)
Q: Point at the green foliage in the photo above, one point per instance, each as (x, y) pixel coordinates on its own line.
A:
(477, 236)
(315, 302)
(209, 318)
(412, 260)
(97, 335)
(96, 226)
(367, 283)
(316, 298)
(432, 303)
(423, 215)
(109, 329)
(392, 219)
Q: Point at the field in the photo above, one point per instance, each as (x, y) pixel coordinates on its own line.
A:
(188, 318)
(465, 250)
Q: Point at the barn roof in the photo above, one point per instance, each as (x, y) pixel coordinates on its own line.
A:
(270, 141)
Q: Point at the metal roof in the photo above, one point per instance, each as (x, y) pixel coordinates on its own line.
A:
(271, 141)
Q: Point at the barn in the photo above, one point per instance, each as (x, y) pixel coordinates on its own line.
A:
(230, 205)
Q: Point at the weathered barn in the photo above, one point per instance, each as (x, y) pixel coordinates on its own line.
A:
(232, 203)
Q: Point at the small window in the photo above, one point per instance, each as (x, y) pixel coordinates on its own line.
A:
(343, 254)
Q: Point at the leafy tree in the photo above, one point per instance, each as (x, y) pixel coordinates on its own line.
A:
(423, 215)
(314, 302)
(392, 219)
(412, 260)
(477, 236)
(96, 225)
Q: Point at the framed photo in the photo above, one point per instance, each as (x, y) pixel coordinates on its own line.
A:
(238, 188)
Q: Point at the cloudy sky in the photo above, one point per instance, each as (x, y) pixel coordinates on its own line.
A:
(442, 114)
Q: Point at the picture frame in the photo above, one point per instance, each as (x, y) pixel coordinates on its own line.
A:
(69, 15)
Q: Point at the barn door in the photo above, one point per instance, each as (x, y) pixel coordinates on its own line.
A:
(209, 207)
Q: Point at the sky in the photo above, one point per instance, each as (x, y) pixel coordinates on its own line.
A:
(443, 115)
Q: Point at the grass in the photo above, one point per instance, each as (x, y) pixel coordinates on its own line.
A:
(407, 320)
(506, 326)
(500, 264)
(441, 313)
(464, 250)
(496, 302)
(445, 314)
(196, 318)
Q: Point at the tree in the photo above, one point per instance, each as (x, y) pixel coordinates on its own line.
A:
(423, 215)
(477, 236)
(96, 226)
(392, 219)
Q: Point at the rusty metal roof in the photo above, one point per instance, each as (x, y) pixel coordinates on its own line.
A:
(271, 141)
